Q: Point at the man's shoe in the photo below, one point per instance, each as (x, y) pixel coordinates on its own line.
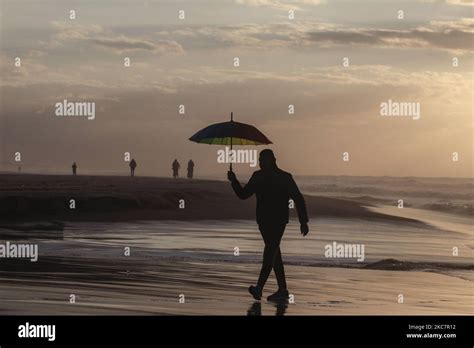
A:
(256, 292)
(280, 295)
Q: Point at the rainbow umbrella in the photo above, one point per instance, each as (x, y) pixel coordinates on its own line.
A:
(230, 133)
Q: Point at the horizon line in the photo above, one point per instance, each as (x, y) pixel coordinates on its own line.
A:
(207, 176)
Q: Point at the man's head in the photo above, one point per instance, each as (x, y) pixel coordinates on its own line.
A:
(267, 159)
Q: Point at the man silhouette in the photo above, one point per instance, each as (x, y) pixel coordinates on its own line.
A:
(175, 166)
(190, 169)
(133, 165)
(273, 188)
(74, 168)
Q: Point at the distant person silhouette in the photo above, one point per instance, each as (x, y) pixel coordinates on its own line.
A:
(132, 165)
(175, 167)
(190, 169)
(273, 188)
(74, 168)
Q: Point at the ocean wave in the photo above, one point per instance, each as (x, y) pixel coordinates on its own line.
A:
(384, 264)
(430, 193)
(396, 265)
(453, 208)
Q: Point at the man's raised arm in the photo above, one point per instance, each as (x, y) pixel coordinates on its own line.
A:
(242, 192)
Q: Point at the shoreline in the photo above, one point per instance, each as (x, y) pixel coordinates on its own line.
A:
(47, 198)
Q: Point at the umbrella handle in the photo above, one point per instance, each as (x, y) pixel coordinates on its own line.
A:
(232, 119)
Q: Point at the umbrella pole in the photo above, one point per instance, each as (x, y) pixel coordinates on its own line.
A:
(231, 120)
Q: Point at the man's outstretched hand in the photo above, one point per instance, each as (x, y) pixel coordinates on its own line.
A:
(304, 229)
(231, 176)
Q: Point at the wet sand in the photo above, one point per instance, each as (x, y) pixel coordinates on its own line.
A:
(140, 286)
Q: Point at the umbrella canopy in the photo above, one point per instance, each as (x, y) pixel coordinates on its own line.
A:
(230, 133)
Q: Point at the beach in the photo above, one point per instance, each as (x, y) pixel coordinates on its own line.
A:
(120, 198)
(138, 253)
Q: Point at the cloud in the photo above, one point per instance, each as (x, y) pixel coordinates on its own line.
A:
(123, 44)
(462, 24)
(446, 35)
(461, 2)
(416, 38)
(315, 82)
(284, 5)
(250, 35)
(443, 35)
(453, 2)
(65, 33)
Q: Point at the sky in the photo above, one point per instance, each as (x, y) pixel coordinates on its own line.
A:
(290, 53)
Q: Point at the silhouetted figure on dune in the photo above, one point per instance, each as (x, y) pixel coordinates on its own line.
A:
(273, 188)
(175, 166)
(74, 168)
(190, 169)
(133, 165)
